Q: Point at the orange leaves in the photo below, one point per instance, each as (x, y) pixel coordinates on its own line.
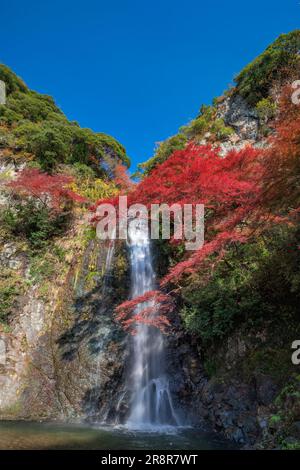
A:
(122, 180)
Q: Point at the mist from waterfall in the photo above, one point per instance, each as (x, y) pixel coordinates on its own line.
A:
(151, 403)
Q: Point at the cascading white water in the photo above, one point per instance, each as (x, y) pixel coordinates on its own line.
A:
(151, 399)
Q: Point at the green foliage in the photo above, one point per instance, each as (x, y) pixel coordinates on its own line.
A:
(42, 130)
(59, 252)
(200, 125)
(274, 419)
(255, 282)
(272, 361)
(290, 445)
(34, 222)
(221, 131)
(163, 151)
(83, 171)
(266, 109)
(8, 116)
(48, 141)
(42, 267)
(89, 234)
(32, 106)
(210, 367)
(279, 61)
(207, 121)
(13, 83)
(291, 390)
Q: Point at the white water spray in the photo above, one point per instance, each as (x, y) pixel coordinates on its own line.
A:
(151, 398)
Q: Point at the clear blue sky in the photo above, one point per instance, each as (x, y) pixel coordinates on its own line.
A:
(137, 69)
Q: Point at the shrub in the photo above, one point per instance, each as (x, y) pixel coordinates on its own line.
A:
(266, 110)
(40, 206)
(32, 106)
(163, 152)
(42, 268)
(13, 83)
(37, 223)
(207, 121)
(48, 142)
(43, 130)
(253, 283)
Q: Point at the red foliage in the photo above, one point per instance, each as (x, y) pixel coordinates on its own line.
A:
(122, 179)
(49, 189)
(229, 187)
(197, 174)
(149, 309)
(282, 159)
(244, 193)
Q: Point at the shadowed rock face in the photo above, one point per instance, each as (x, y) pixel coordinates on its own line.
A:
(66, 359)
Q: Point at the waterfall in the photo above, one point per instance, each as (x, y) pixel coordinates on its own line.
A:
(151, 403)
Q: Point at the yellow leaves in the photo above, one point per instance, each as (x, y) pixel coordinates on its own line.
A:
(94, 189)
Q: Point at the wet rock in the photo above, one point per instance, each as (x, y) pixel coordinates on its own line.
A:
(266, 390)
(236, 349)
(295, 429)
(236, 435)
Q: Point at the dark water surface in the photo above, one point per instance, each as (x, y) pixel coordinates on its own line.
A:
(24, 435)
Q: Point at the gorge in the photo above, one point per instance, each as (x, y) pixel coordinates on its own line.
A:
(220, 374)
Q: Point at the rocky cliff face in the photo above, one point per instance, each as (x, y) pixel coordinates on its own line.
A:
(244, 387)
(63, 356)
(233, 387)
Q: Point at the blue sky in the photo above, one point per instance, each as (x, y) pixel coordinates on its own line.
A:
(137, 70)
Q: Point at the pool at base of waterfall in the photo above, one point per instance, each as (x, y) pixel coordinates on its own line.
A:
(51, 436)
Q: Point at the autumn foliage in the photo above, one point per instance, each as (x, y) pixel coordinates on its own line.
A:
(122, 180)
(52, 190)
(40, 207)
(245, 193)
(150, 309)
